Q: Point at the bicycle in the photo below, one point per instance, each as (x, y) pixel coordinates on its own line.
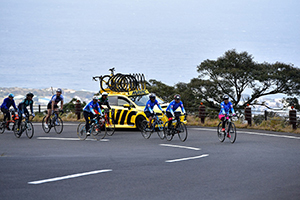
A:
(97, 129)
(26, 126)
(177, 127)
(14, 120)
(157, 125)
(121, 82)
(229, 129)
(55, 122)
(109, 123)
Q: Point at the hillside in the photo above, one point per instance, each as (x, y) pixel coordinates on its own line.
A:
(42, 96)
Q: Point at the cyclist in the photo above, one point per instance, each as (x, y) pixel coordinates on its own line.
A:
(149, 108)
(22, 108)
(172, 107)
(52, 105)
(226, 106)
(91, 110)
(103, 100)
(7, 103)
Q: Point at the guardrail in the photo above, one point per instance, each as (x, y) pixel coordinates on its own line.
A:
(249, 115)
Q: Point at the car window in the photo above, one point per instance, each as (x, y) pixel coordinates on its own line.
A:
(113, 100)
(142, 100)
(122, 101)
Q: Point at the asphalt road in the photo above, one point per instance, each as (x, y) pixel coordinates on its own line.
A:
(259, 165)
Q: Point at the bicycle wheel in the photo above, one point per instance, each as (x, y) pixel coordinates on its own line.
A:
(232, 133)
(58, 125)
(104, 82)
(110, 126)
(29, 130)
(2, 127)
(182, 132)
(19, 132)
(146, 133)
(81, 132)
(168, 132)
(98, 131)
(221, 134)
(46, 130)
(160, 129)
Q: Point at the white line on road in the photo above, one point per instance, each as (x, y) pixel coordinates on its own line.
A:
(189, 158)
(182, 147)
(255, 133)
(69, 176)
(272, 135)
(73, 139)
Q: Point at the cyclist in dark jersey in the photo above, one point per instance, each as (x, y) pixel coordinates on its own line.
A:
(22, 108)
(52, 105)
(103, 100)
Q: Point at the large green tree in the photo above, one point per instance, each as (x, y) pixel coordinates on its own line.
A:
(234, 73)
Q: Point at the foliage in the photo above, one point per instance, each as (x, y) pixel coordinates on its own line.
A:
(234, 72)
(160, 89)
(70, 107)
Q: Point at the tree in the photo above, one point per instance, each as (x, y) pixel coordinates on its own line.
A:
(160, 89)
(234, 72)
(70, 107)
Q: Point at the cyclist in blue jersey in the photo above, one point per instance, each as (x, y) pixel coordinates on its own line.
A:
(226, 107)
(91, 110)
(7, 103)
(23, 108)
(172, 107)
(149, 108)
(52, 105)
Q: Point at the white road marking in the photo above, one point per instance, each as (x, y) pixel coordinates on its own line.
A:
(69, 176)
(65, 124)
(73, 139)
(255, 133)
(189, 158)
(272, 135)
(182, 147)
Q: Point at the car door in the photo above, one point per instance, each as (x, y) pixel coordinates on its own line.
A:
(124, 113)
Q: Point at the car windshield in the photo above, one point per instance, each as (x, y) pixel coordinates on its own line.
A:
(142, 100)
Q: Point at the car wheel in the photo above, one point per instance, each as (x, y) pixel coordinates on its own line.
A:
(138, 122)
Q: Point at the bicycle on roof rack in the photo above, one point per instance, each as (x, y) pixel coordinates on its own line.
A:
(121, 82)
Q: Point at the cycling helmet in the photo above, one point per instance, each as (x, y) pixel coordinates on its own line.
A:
(11, 95)
(104, 94)
(177, 96)
(95, 98)
(225, 97)
(59, 90)
(152, 95)
(29, 94)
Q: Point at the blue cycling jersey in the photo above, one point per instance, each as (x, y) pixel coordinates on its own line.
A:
(173, 106)
(7, 103)
(225, 108)
(56, 99)
(90, 107)
(150, 105)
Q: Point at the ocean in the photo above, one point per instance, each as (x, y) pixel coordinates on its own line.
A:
(64, 43)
